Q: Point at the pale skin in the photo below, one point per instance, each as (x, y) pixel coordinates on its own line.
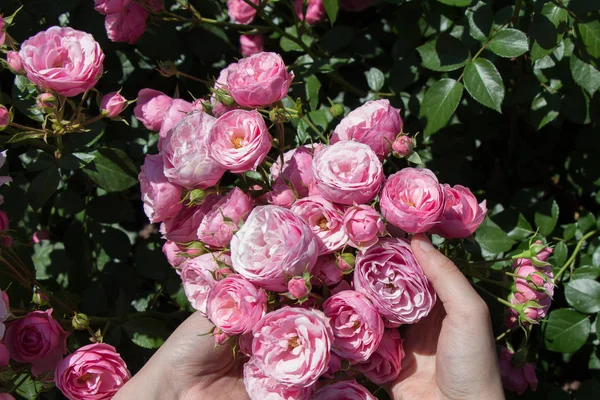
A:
(450, 355)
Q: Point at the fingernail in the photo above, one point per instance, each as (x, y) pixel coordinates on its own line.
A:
(425, 244)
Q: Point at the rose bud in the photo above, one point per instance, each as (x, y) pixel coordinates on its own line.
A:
(110, 6)
(462, 215)
(315, 11)
(241, 12)
(299, 288)
(14, 62)
(5, 117)
(219, 336)
(46, 100)
(162, 199)
(363, 225)
(251, 44)
(516, 378)
(151, 107)
(386, 363)
(403, 146)
(259, 386)
(80, 322)
(112, 104)
(176, 255)
(127, 25)
(347, 390)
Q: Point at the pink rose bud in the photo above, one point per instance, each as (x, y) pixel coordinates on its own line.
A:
(110, 6)
(545, 252)
(14, 61)
(127, 25)
(251, 44)
(184, 226)
(239, 141)
(347, 390)
(527, 312)
(327, 271)
(348, 172)
(346, 262)
(219, 336)
(39, 298)
(412, 200)
(305, 358)
(162, 199)
(2, 33)
(63, 60)
(198, 279)
(407, 296)
(462, 215)
(385, 364)
(151, 107)
(363, 225)
(260, 386)
(298, 288)
(241, 12)
(95, 371)
(516, 378)
(112, 104)
(46, 100)
(297, 170)
(403, 146)
(37, 339)
(357, 326)
(186, 153)
(259, 80)
(375, 124)
(176, 255)
(4, 356)
(281, 195)
(274, 244)
(532, 282)
(355, 5)
(175, 113)
(4, 117)
(315, 11)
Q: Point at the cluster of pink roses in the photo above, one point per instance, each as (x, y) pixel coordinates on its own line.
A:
(300, 269)
(126, 19)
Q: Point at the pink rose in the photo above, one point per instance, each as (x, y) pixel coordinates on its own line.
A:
(355, 5)
(2, 33)
(261, 387)
(95, 371)
(403, 146)
(347, 390)
(413, 200)
(241, 12)
(298, 288)
(14, 61)
(363, 225)
(462, 215)
(112, 104)
(186, 153)
(127, 25)
(183, 227)
(4, 355)
(315, 11)
(175, 255)
(251, 44)
(388, 274)
(45, 100)
(357, 326)
(282, 195)
(274, 244)
(198, 279)
(151, 107)
(385, 364)
(239, 141)
(292, 345)
(177, 110)
(259, 80)
(110, 6)
(221, 86)
(162, 199)
(37, 339)
(297, 170)
(4, 117)
(516, 378)
(64, 60)
(348, 172)
(235, 305)
(326, 221)
(527, 311)
(327, 270)
(532, 282)
(376, 123)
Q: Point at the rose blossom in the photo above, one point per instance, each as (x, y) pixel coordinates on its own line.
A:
(186, 154)
(174, 253)
(14, 61)
(112, 104)
(92, 372)
(260, 387)
(348, 172)
(355, 5)
(259, 80)
(327, 270)
(462, 215)
(235, 305)
(412, 200)
(385, 364)
(64, 60)
(197, 277)
(240, 11)
(251, 44)
(151, 107)
(273, 244)
(403, 146)
(347, 390)
(357, 326)
(297, 288)
(325, 219)
(292, 345)
(239, 141)
(175, 113)
(127, 25)
(281, 195)
(4, 355)
(516, 378)
(297, 170)
(363, 225)
(37, 339)
(376, 123)
(162, 199)
(183, 227)
(4, 117)
(315, 11)
(389, 275)
(110, 6)
(4, 312)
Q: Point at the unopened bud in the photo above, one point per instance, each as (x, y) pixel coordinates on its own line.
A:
(224, 97)
(39, 298)
(112, 104)
(336, 110)
(403, 146)
(346, 262)
(80, 322)
(220, 336)
(195, 196)
(46, 100)
(5, 117)
(14, 62)
(299, 288)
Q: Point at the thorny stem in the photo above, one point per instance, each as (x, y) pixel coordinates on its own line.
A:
(574, 255)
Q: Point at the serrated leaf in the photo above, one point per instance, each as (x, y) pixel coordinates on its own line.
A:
(312, 87)
(493, 239)
(290, 45)
(546, 30)
(545, 107)
(480, 19)
(587, 272)
(484, 83)
(444, 53)
(439, 103)
(583, 295)
(585, 75)
(24, 95)
(331, 7)
(589, 33)
(509, 43)
(566, 330)
(111, 169)
(375, 79)
(560, 254)
(546, 217)
(42, 187)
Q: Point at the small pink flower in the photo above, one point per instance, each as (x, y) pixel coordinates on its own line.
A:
(184, 226)
(347, 390)
(175, 113)
(4, 355)
(298, 288)
(241, 12)
(14, 61)
(112, 104)
(174, 253)
(516, 378)
(151, 107)
(462, 215)
(162, 199)
(95, 371)
(45, 100)
(403, 146)
(315, 11)
(259, 386)
(251, 44)
(363, 225)
(386, 363)
(110, 6)
(127, 25)
(219, 336)
(348, 172)
(197, 277)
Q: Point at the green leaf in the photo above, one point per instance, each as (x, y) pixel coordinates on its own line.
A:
(291, 45)
(445, 53)
(484, 83)
(545, 107)
(439, 103)
(493, 239)
(546, 217)
(509, 43)
(546, 30)
(585, 75)
(312, 87)
(20, 136)
(480, 19)
(589, 33)
(560, 254)
(566, 330)
(30, 389)
(111, 169)
(583, 295)
(24, 95)
(42, 187)
(587, 272)
(148, 333)
(331, 7)
(375, 79)
(456, 3)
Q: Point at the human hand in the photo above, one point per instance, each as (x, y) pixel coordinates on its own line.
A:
(451, 354)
